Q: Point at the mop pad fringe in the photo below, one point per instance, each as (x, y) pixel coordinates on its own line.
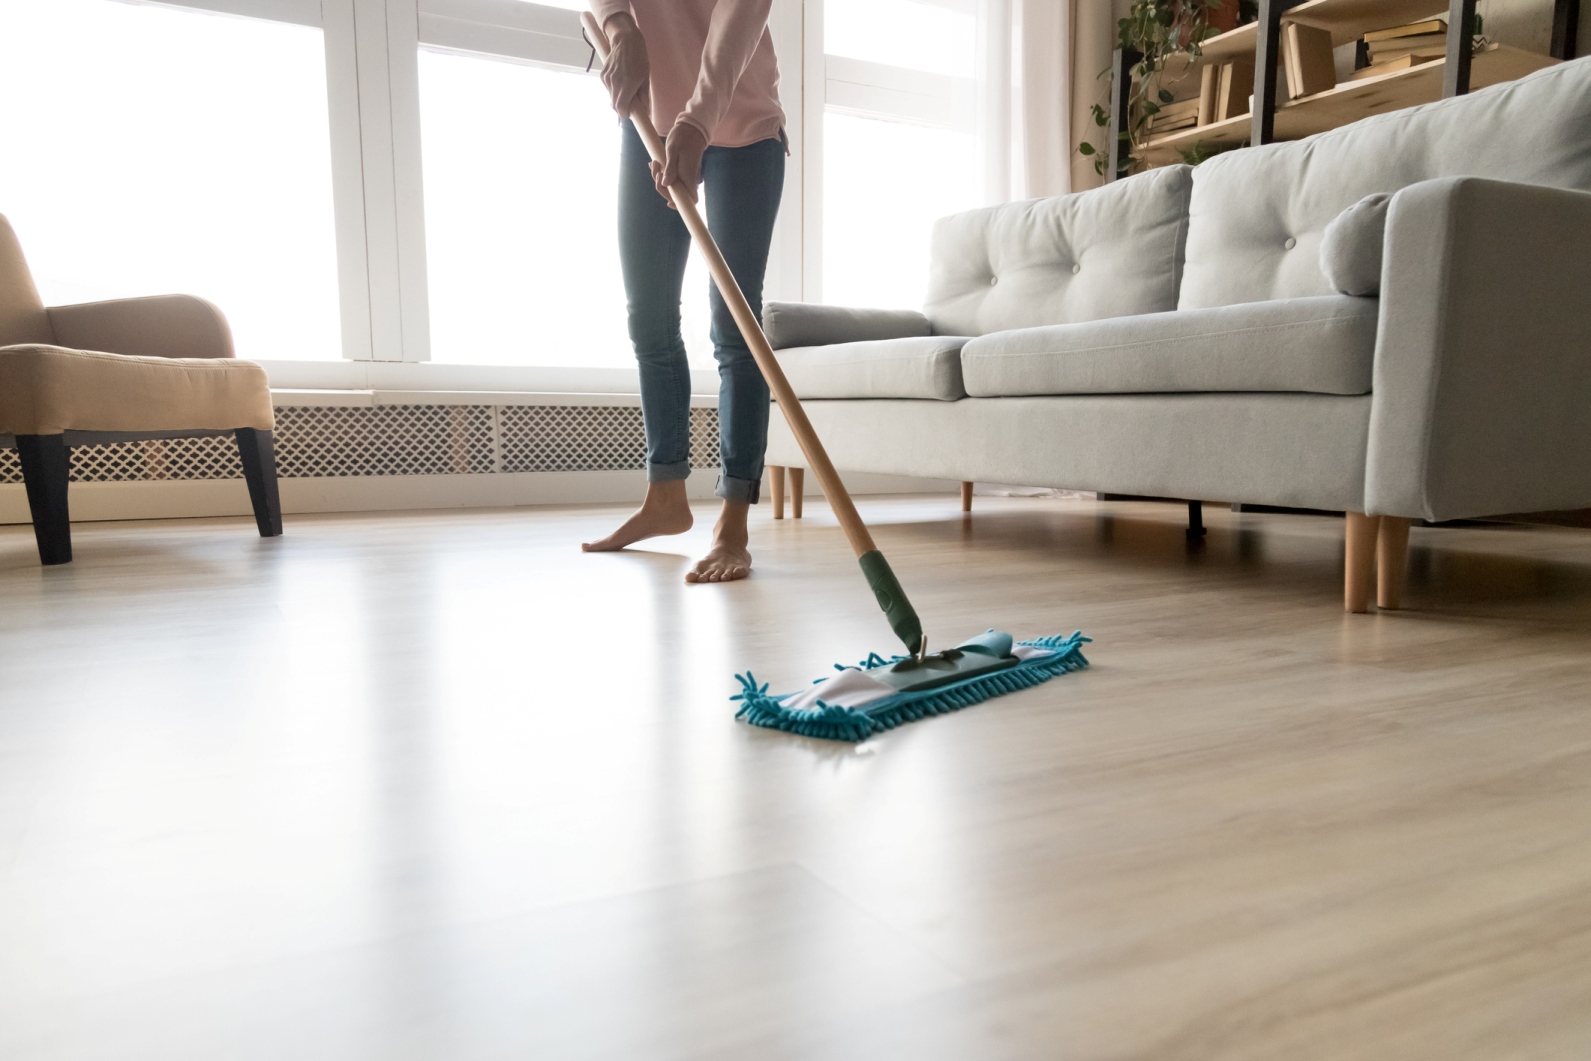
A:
(830, 722)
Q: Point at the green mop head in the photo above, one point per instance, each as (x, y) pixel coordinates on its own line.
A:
(880, 694)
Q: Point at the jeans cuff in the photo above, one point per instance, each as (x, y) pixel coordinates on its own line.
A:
(733, 489)
(667, 473)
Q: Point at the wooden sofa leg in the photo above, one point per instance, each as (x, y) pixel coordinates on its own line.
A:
(776, 484)
(258, 452)
(1361, 558)
(966, 497)
(46, 468)
(798, 479)
(1392, 561)
(1195, 520)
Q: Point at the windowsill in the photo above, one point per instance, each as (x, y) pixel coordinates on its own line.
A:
(470, 384)
(322, 397)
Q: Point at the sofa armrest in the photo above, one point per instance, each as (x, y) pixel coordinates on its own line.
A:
(1482, 381)
(158, 326)
(813, 324)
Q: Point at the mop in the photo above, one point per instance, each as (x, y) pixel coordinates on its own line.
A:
(878, 693)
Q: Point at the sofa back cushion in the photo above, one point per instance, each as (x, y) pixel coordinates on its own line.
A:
(1111, 252)
(1257, 216)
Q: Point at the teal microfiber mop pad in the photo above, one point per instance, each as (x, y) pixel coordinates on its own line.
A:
(879, 694)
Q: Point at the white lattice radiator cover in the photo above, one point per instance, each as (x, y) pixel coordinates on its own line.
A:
(320, 441)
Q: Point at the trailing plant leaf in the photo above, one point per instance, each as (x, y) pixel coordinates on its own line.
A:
(1154, 31)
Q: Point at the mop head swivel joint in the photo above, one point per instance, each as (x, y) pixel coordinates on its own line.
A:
(879, 694)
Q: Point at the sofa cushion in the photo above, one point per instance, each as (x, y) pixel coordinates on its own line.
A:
(1257, 216)
(1350, 250)
(45, 390)
(1108, 252)
(814, 324)
(1322, 345)
(921, 367)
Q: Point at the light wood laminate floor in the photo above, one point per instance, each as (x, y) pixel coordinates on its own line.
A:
(439, 786)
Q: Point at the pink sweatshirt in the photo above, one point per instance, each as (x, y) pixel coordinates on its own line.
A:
(712, 65)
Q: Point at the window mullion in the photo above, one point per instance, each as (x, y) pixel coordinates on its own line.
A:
(376, 134)
(403, 66)
(814, 86)
(348, 182)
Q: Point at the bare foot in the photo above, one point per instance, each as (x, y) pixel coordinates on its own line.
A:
(665, 511)
(729, 558)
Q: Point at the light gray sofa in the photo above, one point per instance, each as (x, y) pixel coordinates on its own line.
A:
(1175, 334)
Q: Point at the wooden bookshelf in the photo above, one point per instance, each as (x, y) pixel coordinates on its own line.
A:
(1346, 21)
(1352, 100)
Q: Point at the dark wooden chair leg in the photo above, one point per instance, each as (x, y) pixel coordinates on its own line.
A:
(46, 467)
(1195, 520)
(258, 451)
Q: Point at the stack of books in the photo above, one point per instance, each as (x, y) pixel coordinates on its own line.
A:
(1401, 47)
(1184, 114)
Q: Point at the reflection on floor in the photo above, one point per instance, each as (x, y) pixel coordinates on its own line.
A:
(421, 786)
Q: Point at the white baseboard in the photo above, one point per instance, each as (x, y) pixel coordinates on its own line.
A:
(167, 499)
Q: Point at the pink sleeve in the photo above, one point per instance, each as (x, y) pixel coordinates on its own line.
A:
(736, 28)
(606, 9)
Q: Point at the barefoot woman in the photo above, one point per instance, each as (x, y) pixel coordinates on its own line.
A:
(706, 71)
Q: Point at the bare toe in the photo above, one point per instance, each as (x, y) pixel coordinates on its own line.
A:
(721, 564)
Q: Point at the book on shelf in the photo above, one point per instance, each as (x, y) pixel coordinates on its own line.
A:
(1209, 84)
(1233, 89)
(1171, 112)
(1307, 55)
(1434, 52)
(1413, 29)
(1180, 114)
(1405, 44)
(1393, 65)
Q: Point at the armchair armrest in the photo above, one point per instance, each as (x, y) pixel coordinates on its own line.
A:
(1481, 400)
(158, 326)
(813, 324)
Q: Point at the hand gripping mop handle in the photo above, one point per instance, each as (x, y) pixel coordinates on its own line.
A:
(902, 617)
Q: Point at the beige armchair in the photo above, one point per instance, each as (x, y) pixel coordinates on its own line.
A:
(121, 371)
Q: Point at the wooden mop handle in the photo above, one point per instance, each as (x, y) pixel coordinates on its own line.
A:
(839, 500)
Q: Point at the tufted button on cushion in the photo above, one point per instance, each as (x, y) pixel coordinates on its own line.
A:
(1016, 265)
(1289, 243)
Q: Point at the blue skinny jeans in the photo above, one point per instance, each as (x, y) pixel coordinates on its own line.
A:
(743, 186)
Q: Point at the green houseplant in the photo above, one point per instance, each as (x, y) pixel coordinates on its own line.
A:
(1155, 30)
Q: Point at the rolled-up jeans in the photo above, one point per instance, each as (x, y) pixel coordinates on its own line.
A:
(743, 186)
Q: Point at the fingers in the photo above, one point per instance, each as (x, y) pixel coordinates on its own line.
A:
(626, 92)
(682, 162)
(627, 71)
(658, 183)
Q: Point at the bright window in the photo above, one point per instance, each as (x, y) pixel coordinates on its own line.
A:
(884, 184)
(938, 36)
(521, 192)
(151, 150)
